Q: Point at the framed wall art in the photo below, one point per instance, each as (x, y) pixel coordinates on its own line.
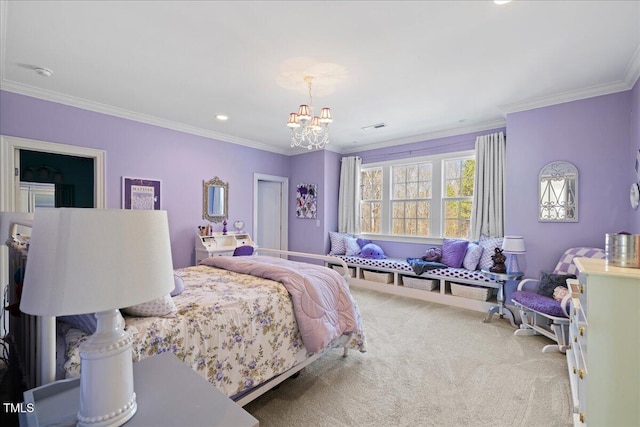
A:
(141, 193)
(306, 201)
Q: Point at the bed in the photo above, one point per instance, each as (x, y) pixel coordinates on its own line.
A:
(238, 331)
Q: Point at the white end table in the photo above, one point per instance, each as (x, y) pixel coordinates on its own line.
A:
(501, 309)
(168, 392)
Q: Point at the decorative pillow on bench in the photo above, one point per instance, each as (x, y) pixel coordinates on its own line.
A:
(453, 252)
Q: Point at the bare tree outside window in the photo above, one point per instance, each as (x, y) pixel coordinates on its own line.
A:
(458, 196)
(411, 199)
(371, 204)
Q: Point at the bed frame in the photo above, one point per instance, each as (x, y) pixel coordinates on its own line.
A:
(35, 336)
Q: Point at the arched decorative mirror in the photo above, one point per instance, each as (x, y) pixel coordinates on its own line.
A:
(558, 193)
(215, 203)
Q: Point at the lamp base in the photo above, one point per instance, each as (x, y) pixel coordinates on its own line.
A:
(106, 376)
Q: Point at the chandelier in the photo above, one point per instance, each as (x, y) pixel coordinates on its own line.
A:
(309, 131)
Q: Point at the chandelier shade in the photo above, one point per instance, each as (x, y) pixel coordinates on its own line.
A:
(309, 131)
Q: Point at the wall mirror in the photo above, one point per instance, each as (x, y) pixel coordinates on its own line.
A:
(558, 193)
(215, 200)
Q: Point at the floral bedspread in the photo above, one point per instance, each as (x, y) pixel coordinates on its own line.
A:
(235, 330)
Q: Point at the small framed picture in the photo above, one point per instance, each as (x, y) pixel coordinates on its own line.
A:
(141, 193)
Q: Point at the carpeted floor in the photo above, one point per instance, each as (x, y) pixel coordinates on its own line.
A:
(427, 365)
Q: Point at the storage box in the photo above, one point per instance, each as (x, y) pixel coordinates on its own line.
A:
(340, 269)
(376, 276)
(418, 283)
(472, 292)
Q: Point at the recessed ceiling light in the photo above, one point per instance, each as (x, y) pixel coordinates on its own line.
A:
(501, 2)
(46, 72)
(222, 117)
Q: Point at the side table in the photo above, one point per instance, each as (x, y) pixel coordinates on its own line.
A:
(501, 309)
(168, 393)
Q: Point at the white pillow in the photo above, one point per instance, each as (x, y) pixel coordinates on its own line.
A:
(489, 244)
(160, 307)
(338, 246)
(352, 246)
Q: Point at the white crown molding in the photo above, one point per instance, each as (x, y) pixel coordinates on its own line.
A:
(632, 73)
(430, 136)
(131, 115)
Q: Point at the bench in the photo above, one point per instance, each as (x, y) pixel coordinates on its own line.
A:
(457, 287)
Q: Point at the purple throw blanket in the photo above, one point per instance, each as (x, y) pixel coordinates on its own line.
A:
(321, 299)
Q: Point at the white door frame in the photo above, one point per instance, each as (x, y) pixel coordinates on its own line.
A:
(284, 219)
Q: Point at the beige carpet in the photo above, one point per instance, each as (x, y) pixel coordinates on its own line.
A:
(427, 365)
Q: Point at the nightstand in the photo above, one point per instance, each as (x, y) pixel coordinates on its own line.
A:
(168, 392)
(501, 309)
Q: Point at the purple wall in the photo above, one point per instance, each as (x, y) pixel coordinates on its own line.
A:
(593, 134)
(307, 168)
(321, 168)
(182, 161)
(634, 144)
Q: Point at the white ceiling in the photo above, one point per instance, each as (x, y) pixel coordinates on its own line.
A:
(426, 69)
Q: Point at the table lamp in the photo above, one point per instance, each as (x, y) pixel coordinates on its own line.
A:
(98, 261)
(512, 247)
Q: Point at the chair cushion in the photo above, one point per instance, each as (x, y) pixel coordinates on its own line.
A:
(537, 302)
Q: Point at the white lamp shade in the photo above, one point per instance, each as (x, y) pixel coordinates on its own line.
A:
(513, 245)
(325, 115)
(91, 260)
(304, 112)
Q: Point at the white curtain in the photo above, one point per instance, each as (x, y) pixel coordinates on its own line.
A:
(488, 195)
(349, 196)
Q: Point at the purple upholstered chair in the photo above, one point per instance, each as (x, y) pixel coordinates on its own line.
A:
(542, 315)
(244, 250)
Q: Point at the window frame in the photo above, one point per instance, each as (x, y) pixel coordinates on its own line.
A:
(436, 220)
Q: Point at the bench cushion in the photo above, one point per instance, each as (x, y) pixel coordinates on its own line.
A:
(402, 265)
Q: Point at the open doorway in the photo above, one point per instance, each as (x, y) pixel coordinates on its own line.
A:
(54, 180)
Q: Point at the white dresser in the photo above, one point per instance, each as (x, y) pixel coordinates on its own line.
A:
(218, 244)
(604, 358)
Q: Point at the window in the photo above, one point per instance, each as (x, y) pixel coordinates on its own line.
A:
(411, 199)
(371, 205)
(426, 197)
(458, 196)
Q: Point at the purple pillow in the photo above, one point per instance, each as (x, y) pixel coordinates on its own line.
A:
(372, 251)
(432, 254)
(244, 250)
(453, 252)
(362, 242)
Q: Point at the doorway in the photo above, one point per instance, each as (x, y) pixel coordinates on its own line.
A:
(271, 194)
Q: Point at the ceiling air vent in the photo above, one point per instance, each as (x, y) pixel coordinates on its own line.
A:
(376, 126)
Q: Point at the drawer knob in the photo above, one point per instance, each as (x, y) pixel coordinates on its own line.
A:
(574, 369)
(581, 417)
(575, 339)
(581, 289)
(581, 331)
(580, 374)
